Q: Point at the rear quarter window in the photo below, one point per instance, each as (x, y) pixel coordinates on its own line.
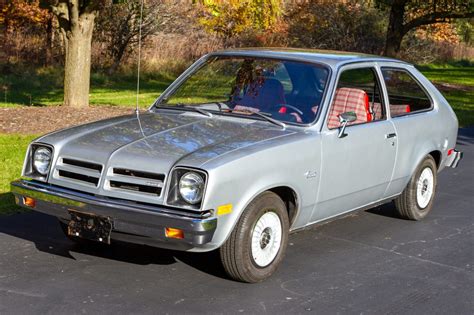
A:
(405, 94)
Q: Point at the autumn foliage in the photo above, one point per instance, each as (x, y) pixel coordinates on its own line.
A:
(234, 17)
(19, 13)
(182, 30)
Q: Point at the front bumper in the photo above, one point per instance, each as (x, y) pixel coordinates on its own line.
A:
(132, 222)
(454, 158)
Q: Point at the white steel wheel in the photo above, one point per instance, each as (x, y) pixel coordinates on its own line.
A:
(416, 201)
(266, 239)
(424, 188)
(258, 242)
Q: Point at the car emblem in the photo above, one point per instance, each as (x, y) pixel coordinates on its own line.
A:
(152, 184)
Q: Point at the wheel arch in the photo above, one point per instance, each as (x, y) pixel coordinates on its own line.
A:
(290, 198)
(427, 148)
(288, 194)
(437, 156)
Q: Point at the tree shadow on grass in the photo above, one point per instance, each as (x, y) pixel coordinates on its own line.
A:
(45, 232)
(44, 86)
(7, 204)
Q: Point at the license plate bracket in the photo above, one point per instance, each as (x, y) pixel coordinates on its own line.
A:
(90, 226)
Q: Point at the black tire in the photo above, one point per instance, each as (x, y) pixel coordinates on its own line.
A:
(236, 253)
(407, 203)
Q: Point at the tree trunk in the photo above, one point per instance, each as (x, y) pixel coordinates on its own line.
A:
(77, 65)
(395, 29)
(49, 40)
(117, 56)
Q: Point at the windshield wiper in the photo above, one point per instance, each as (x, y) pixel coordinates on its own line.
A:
(199, 110)
(218, 104)
(266, 116)
(180, 106)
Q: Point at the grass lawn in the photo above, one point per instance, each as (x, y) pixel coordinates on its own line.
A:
(449, 73)
(461, 96)
(12, 152)
(44, 86)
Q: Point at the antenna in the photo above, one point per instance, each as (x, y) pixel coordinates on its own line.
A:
(139, 57)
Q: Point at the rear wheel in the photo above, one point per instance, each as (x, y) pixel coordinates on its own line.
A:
(258, 242)
(416, 200)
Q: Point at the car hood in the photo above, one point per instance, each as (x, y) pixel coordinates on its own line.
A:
(157, 141)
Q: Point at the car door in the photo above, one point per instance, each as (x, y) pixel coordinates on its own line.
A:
(356, 168)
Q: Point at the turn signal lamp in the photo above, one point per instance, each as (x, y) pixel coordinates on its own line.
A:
(29, 202)
(174, 233)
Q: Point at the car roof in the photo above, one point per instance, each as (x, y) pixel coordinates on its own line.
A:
(330, 57)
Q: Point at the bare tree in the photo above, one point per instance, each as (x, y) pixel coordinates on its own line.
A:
(119, 26)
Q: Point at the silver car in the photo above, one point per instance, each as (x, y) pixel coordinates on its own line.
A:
(245, 147)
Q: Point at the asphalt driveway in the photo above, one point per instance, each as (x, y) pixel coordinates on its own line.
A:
(368, 262)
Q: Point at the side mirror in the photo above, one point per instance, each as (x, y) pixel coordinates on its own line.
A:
(344, 119)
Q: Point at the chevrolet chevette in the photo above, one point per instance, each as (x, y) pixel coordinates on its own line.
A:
(245, 147)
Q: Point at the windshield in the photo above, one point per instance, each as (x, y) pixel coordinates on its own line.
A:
(286, 91)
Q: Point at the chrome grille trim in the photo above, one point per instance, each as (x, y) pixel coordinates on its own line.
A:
(134, 181)
(83, 164)
(133, 173)
(78, 171)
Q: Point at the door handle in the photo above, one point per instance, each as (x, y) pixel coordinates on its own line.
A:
(390, 135)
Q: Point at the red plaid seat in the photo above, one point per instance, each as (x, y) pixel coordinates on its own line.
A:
(395, 110)
(398, 110)
(349, 100)
(377, 111)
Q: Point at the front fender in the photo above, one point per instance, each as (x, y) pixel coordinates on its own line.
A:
(237, 182)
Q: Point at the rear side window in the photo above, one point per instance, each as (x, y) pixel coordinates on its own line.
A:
(404, 93)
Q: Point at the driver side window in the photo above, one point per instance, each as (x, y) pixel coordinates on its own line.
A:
(358, 91)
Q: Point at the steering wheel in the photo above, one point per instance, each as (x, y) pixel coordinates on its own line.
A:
(294, 108)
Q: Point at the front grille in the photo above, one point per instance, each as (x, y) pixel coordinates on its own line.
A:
(127, 172)
(84, 178)
(82, 172)
(135, 187)
(136, 181)
(83, 164)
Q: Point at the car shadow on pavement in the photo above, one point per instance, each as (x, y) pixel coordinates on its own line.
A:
(386, 210)
(465, 136)
(44, 231)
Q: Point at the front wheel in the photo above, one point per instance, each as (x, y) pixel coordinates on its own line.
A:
(416, 200)
(258, 242)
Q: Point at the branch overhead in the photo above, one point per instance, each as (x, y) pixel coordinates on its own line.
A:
(436, 17)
